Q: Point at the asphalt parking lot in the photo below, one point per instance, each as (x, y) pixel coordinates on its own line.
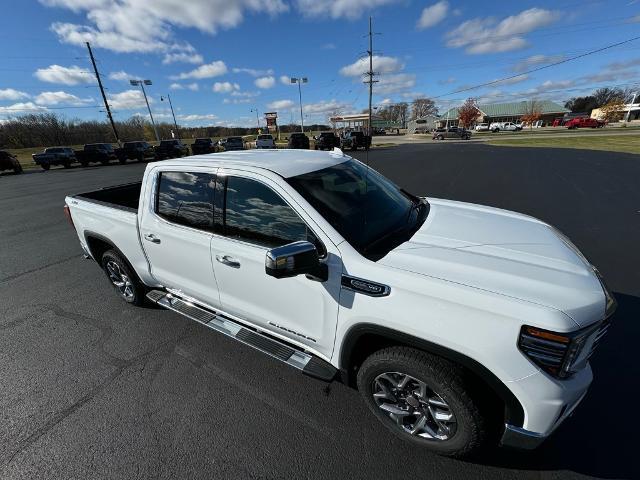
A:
(93, 388)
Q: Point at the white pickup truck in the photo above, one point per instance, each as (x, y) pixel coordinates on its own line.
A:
(461, 325)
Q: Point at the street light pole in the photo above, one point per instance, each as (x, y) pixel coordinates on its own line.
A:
(173, 114)
(257, 118)
(300, 81)
(142, 83)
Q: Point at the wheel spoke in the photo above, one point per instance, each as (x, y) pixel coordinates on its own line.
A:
(404, 381)
(395, 410)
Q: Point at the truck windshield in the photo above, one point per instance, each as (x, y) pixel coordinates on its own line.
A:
(367, 209)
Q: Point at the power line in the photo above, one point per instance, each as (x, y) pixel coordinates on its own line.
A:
(537, 69)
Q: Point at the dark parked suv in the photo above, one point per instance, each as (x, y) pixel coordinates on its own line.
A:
(9, 162)
(451, 132)
(171, 149)
(326, 141)
(203, 145)
(55, 156)
(355, 140)
(138, 151)
(96, 152)
(232, 143)
(298, 140)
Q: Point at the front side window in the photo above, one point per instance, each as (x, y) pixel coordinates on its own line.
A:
(256, 214)
(186, 198)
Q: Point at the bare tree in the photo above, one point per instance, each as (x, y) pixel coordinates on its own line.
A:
(421, 107)
(468, 113)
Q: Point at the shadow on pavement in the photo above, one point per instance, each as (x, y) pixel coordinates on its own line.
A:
(601, 438)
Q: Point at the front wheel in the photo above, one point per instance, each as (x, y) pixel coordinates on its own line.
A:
(45, 166)
(122, 161)
(423, 399)
(123, 278)
(17, 168)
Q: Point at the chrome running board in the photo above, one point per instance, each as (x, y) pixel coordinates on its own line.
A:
(307, 363)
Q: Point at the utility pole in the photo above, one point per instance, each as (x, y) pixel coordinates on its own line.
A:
(257, 118)
(370, 75)
(142, 83)
(173, 114)
(300, 81)
(104, 97)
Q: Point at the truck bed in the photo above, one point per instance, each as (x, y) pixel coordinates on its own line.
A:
(125, 196)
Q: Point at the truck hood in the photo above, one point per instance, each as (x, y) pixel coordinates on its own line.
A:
(505, 253)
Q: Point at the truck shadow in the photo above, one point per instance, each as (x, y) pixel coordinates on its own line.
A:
(600, 439)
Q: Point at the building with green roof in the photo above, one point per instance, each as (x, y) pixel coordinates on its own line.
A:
(509, 112)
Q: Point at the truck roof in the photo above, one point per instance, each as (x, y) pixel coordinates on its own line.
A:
(286, 163)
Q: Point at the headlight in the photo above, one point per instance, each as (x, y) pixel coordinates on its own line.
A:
(560, 354)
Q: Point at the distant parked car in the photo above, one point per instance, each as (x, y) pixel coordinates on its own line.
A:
(96, 153)
(451, 132)
(64, 156)
(355, 140)
(171, 149)
(8, 161)
(232, 143)
(298, 140)
(583, 122)
(482, 127)
(265, 141)
(203, 145)
(138, 151)
(326, 141)
(504, 126)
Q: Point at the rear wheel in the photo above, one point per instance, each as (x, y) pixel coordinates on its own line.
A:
(440, 137)
(66, 164)
(45, 166)
(123, 278)
(122, 161)
(84, 163)
(104, 162)
(17, 168)
(424, 399)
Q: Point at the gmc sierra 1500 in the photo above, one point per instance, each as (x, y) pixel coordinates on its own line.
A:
(459, 324)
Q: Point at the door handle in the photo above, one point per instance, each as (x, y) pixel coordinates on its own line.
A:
(228, 260)
(151, 238)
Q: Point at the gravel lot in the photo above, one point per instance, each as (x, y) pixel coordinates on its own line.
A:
(93, 388)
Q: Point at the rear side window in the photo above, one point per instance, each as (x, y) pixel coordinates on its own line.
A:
(186, 198)
(256, 214)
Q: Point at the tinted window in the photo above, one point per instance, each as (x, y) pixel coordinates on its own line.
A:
(186, 198)
(255, 213)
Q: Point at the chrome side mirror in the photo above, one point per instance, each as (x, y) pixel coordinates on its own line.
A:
(294, 259)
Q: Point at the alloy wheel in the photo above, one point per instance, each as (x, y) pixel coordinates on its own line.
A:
(120, 280)
(414, 407)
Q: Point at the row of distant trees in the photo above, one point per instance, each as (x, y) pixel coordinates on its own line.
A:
(50, 129)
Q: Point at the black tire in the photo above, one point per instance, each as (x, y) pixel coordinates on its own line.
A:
(440, 137)
(135, 295)
(447, 380)
(84, 163)
(66, 164)
(122, 161)
(104, 162)
(45, 166)
(17, 168)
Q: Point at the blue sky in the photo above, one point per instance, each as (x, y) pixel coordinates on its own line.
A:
(219, 59)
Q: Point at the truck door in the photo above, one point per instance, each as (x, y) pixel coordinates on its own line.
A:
(256, 214)
(176, 230)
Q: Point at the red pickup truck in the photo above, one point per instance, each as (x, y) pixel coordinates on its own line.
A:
(584, 123)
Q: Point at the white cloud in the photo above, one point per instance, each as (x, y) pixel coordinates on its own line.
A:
(447, 81)
(143, 26)
(127, 100)
(535, 61)
(285, 79)
(624, 64)
(213, 69)
(122, 76)
(265, 82)
(176, 86)
(281, 105)
(350, 9)
(550, 85)
(394, 83)
(21, 107)
(252, 71)
(197, 117)
(487, 35)
(513, 80)
(328, 46)
(236, 101)
(12, 94)
(182, 57)
(381, 64)
(194, 87)
(56, 98)
(73, 75)
(225, 87)
(433, 15)
(635, 19)
(385, 101)
(324, 107)
(236, 93)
